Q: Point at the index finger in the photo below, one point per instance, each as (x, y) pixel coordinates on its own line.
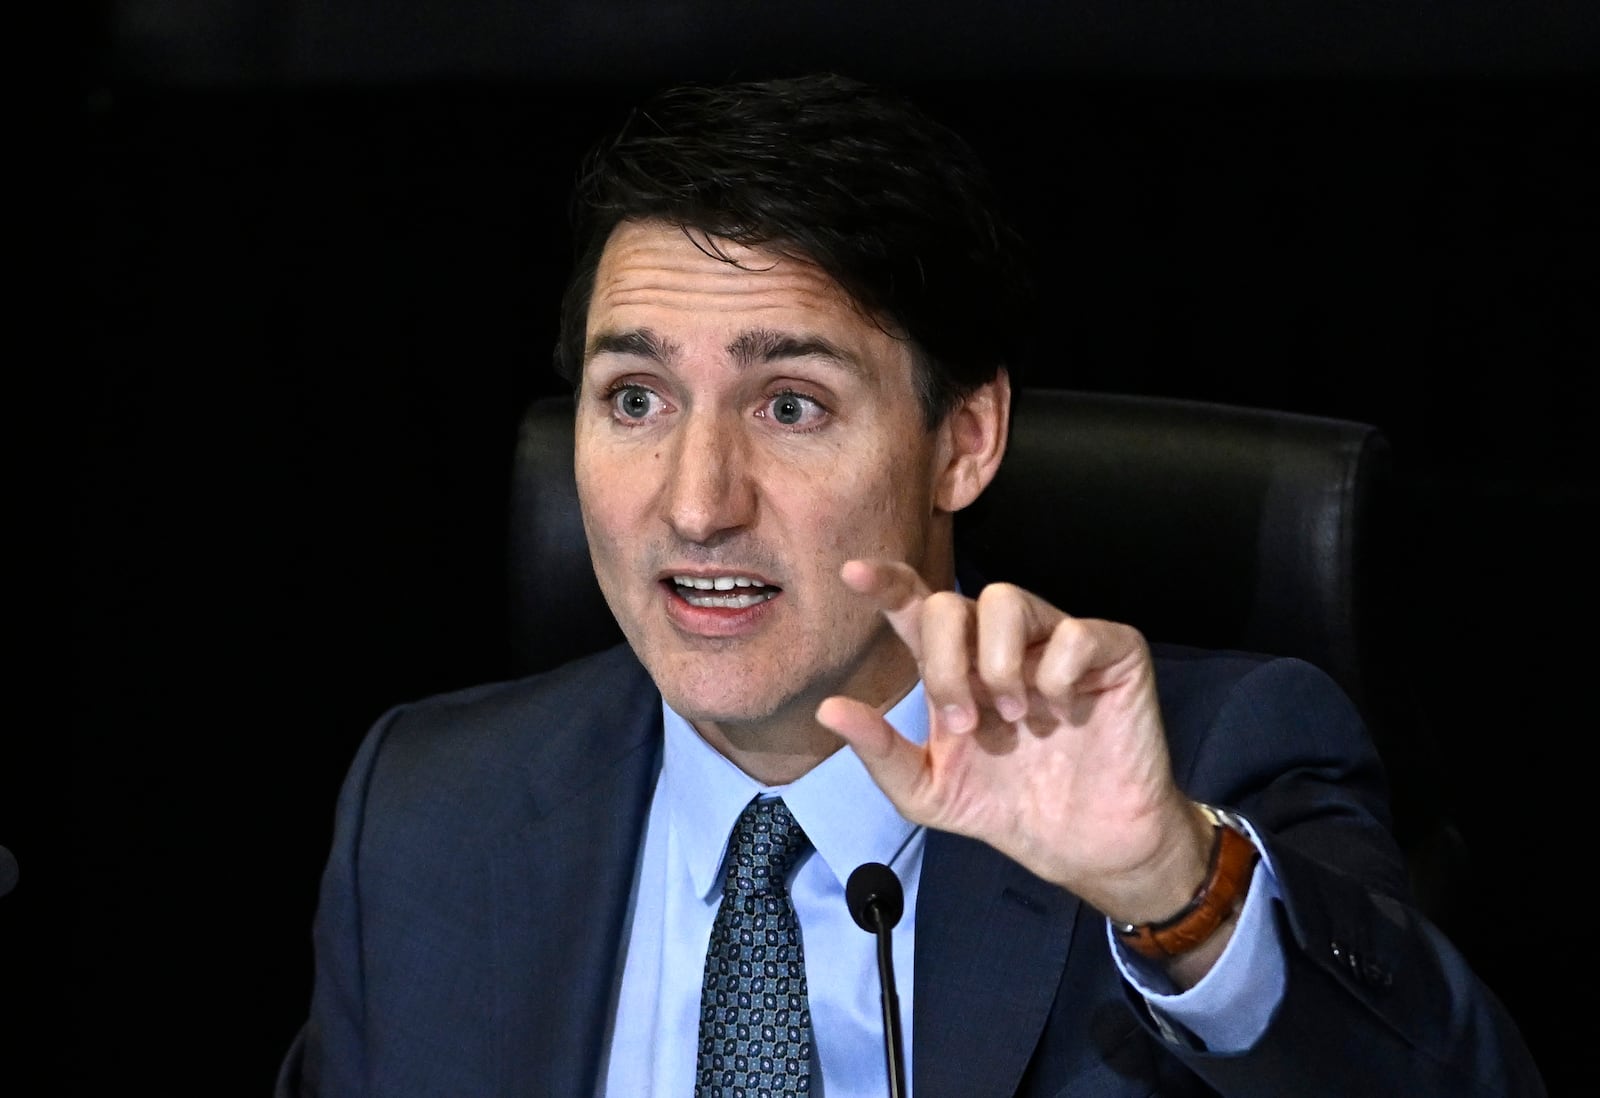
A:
(898, 591)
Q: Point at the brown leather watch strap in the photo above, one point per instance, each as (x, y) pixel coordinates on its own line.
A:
(1233, 858)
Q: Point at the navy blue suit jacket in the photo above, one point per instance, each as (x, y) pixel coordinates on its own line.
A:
(468, 930)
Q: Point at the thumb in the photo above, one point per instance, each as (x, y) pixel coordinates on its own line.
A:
(892, 761)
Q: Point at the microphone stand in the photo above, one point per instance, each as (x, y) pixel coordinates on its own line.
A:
(876, 902)
(893, 1048)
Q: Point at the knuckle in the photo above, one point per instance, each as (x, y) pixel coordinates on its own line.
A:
(1069, 633)
(946, 603)
(999, 595)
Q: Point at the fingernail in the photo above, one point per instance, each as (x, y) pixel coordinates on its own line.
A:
(957, 718)
(1012, 709)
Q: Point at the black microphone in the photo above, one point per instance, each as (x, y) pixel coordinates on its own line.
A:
(876, 903)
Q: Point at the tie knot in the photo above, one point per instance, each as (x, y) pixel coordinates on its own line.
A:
(767, 841)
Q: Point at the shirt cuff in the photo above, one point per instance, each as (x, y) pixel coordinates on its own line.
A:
(1228, 1010)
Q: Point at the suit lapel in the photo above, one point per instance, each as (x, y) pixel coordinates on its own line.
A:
(990, 950)
(561, 886)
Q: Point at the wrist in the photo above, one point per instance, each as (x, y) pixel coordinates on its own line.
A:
(1169, 877)
(1230, 861)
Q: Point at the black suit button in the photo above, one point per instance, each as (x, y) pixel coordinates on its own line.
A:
(1368, 972)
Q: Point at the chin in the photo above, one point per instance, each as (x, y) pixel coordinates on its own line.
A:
(721, 706)
(734, 682)
(700, 687)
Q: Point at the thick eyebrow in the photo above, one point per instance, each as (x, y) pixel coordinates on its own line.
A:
(640, 343)
(766, 345)
(747, 349)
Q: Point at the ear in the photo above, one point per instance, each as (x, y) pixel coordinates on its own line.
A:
(973, 442)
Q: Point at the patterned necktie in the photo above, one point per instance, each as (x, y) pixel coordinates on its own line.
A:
(755, 1022)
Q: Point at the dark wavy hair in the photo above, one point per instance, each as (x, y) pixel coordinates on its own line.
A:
(893, 205)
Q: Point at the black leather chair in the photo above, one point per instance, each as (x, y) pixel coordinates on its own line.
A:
(1198, 523)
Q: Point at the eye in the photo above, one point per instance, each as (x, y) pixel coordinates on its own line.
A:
(793, 410)
(633, 402)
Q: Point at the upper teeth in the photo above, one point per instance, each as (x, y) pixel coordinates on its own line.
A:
(718, 583)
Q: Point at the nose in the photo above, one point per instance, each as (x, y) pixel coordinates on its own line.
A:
(711, 487)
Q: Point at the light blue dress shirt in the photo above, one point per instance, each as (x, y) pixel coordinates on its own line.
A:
(651, 1049)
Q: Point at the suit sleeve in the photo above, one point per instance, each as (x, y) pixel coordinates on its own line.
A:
(1375, 995)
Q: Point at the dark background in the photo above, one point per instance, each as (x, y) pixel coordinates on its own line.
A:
(319, 250)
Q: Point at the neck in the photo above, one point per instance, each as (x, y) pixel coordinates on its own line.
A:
(769, 758)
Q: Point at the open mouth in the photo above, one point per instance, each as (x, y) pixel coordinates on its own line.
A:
(730, 592)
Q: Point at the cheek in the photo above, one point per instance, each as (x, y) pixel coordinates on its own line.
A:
(605, 500)
(869, 508)
(611, 479)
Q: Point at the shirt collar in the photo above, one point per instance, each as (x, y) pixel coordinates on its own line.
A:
(842, 810)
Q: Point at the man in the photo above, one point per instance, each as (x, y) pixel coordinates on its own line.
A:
(1125, 873)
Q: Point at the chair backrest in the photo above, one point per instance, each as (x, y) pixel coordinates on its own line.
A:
(1199, 523)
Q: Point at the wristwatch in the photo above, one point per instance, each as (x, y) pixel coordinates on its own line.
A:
(1232, 860)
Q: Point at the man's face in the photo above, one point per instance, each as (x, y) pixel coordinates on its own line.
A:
(743, 430)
